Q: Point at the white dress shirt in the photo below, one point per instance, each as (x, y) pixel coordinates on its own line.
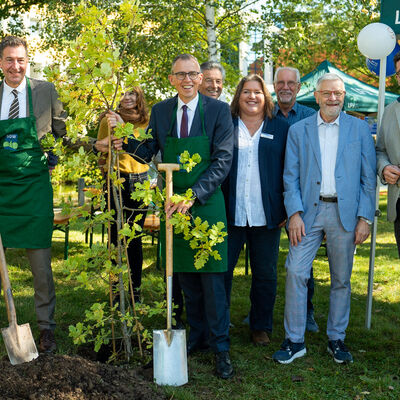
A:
(8, 98)
(190, 112)
(328, 143)
(249, 207)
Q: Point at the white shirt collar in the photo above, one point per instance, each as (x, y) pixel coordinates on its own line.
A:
(191, 105)
(8, 89)
(320, 121)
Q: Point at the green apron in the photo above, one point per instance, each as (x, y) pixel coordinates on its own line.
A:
(213, 211)
(26, 195)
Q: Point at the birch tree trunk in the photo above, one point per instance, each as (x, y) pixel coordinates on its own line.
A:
(213, 47)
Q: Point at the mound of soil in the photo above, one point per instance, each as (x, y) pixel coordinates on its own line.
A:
(61, 377)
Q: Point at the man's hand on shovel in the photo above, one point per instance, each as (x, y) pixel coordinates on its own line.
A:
(181, 207)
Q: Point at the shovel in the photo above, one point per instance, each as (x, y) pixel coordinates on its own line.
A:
(17, 338)
(169, 346)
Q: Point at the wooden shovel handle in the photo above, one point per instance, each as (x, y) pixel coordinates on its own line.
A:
(5, 281)
(169, 169)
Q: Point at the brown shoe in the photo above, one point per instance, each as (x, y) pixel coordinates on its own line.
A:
(260, 338)
(47, 341)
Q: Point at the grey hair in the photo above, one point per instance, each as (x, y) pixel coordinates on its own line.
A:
(295, 70)
(209, 65)
(329, 76)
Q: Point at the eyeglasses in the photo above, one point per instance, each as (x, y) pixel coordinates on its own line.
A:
(327, 93)
(193, 75)
(291, 84)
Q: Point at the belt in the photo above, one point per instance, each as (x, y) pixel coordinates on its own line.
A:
(136, 177)
(328, 199)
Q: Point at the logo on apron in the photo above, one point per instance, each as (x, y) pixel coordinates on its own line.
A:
(11, 142)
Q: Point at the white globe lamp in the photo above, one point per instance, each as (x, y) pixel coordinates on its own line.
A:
(376, 40)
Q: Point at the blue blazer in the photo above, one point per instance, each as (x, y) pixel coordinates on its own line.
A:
(355, 171)
(271, 155)
(218, 126)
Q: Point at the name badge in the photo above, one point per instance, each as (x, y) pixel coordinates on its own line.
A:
(267, 136)
(11, 142)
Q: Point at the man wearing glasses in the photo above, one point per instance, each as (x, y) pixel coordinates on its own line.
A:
(388, 157)
(287, 85)
(203, 125)
(329, 189)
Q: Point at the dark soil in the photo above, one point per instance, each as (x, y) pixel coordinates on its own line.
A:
(62, 377)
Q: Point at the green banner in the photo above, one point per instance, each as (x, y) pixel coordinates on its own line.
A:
(390, 14)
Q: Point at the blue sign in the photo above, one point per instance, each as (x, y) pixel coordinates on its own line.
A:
(374, 65)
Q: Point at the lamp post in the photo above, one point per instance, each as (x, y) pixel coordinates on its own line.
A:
(376, 41)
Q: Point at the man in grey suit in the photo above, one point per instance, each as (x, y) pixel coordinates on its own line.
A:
(388, 157)
(329, 182)
(35, 105)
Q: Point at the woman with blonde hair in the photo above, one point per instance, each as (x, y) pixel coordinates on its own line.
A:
(132, 108)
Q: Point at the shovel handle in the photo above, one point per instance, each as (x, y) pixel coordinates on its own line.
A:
(5, 280)
(169, 169)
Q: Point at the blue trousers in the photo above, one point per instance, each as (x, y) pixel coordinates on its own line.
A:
(207, 310)
(263, 249)
(340, 248)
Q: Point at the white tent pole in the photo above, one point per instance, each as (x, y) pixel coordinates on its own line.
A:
(381, 106)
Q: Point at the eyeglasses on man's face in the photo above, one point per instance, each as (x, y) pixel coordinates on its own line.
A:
(328, 93)
(193, 75)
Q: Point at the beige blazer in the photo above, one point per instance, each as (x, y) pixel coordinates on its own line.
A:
(47, 108)
(388, 152)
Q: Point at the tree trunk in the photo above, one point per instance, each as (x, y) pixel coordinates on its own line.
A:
(213, 47)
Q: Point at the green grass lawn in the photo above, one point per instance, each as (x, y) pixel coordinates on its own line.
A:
(375, 373)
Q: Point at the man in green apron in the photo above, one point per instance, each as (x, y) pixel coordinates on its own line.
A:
(199, 124)
(29, 109)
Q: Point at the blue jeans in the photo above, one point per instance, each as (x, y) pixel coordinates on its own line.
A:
(263, 249)
(340, 248)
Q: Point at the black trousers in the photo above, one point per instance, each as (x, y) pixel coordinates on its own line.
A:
(397, 226)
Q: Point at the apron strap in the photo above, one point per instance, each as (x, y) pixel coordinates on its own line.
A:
(30, 97)
(201, 110)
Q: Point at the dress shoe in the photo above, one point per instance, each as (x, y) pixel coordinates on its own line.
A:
(223, 365)
(260, 338)
(47, 341)
(202, 347)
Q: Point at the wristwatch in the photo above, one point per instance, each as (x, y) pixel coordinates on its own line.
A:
(365, 220)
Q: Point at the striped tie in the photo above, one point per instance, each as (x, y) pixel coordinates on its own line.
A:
(14, 109)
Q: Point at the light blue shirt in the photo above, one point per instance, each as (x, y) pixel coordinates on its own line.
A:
(328, 134)
(249, 207)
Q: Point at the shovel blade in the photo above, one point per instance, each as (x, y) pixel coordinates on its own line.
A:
(19, 343)
(170, 359)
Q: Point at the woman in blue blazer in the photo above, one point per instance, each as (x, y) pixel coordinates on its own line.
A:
(254, 197)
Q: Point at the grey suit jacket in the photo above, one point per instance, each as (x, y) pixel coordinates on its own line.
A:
(47, 108)
(219, 129)
(388, 151)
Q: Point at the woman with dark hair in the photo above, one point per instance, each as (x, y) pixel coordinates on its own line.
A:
(132, 108)
(254, 198)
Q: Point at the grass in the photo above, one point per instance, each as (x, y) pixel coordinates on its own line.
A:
(374, 375)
